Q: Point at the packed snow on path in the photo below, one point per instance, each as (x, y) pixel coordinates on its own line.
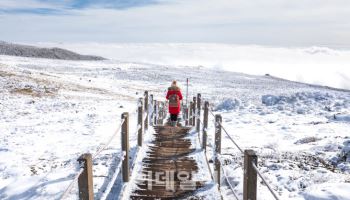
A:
(53, 111)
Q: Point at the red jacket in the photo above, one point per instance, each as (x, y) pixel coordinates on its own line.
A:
(174, 90)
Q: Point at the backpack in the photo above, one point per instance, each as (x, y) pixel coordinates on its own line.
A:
(174, 100)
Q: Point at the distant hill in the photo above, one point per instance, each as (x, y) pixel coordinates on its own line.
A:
(36, 52)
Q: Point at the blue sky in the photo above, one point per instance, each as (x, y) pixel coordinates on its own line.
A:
(52, 7)
(262, 22)
(113, 4)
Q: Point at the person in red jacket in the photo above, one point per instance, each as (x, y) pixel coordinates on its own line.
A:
(174, 96)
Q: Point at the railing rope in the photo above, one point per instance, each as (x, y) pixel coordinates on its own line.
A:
(103, 147)
(153, 112)
(228, 135)
(250, 165)
(112, 181)
(84, 176)
(70, 186)
(99, 150)
(229, 184)
(264, 180)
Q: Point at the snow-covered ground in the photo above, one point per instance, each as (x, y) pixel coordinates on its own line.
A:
(53, 111)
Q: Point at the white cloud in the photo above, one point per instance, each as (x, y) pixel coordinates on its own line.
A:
(269, 22)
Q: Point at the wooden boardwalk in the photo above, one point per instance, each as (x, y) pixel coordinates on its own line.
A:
(173, 163)
(168, 168)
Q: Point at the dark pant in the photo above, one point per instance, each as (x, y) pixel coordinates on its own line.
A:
(173, 117)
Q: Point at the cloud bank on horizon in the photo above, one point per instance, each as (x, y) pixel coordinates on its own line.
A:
(268, 22)
(314, 65)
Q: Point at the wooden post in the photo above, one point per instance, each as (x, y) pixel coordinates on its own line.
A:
(217, 168)
(250, 175)
(191, 113)
(125, 146)
(151, 98)
(146, 110)
(186, 116)
(194, 111)
(154, 119)
(151, 104)
(86, 190)
(159, 112)
(187, 92)
(150, 101)
(198, 127)
(140, 123)
(205, 125)
(146, 100)
(162, 113)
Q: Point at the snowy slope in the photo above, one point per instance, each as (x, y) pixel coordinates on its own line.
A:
(53, 111)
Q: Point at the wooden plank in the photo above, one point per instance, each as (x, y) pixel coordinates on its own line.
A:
(168, 153)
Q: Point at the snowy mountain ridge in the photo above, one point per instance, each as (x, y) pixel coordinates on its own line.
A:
(36, 52)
